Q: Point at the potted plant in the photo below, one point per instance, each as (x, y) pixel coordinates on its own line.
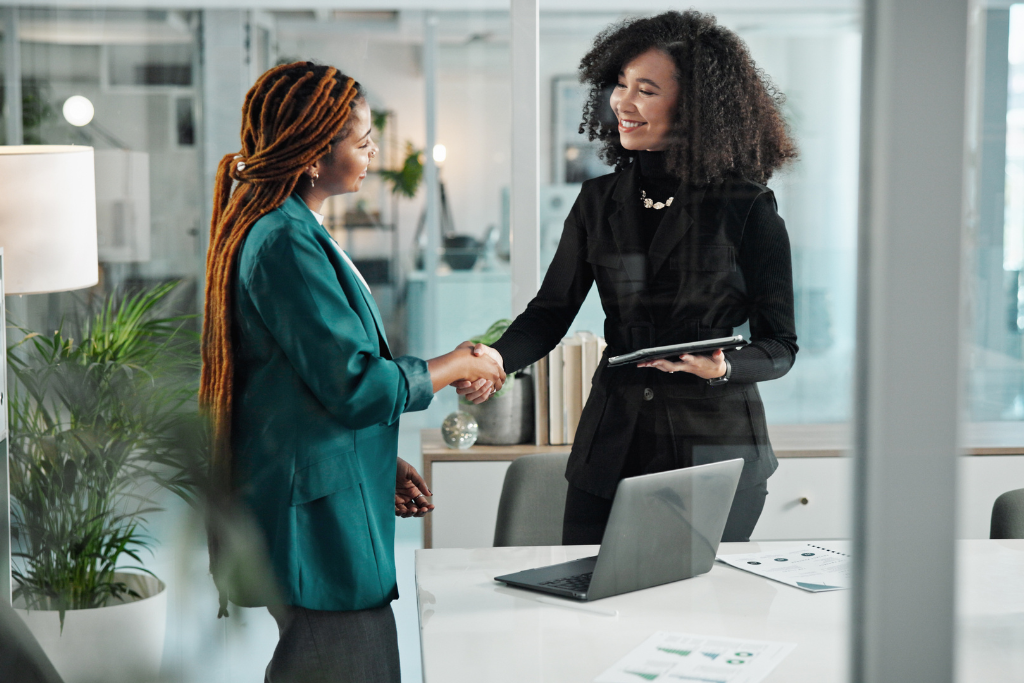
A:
(405, 182)
(506, 417)
(96, 420)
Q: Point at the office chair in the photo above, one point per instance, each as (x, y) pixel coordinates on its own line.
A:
(1008, 515)
(21, 658)
(532, 501)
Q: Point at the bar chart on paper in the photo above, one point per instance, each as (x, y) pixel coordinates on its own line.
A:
(706, 659)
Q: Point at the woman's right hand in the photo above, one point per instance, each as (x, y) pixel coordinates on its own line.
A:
(480, 390)
(483, 375)
(463, 364)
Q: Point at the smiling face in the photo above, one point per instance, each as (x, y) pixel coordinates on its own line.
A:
(644, 101)
(343, 169)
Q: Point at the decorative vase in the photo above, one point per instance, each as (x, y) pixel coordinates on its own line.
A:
(507, 419)
(120, 642)
(459, 430)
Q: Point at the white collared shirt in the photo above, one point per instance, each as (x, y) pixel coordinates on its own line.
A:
(320, 219)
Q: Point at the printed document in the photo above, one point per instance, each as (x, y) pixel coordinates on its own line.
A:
(812, 567)
(678, 657)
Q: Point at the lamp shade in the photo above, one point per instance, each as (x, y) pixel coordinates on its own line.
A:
(48, 218)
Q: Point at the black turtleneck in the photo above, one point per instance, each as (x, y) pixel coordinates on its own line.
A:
(763, 258)
(659, 184)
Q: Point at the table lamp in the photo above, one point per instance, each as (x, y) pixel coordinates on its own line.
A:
(47, 244)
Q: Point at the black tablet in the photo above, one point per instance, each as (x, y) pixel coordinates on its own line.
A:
(706, 347)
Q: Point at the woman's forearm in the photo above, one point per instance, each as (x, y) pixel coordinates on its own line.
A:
(444, 370)
(462, 364)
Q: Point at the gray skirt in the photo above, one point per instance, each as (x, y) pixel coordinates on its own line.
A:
(335, 647)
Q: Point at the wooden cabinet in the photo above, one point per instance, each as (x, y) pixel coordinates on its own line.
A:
(810, 496)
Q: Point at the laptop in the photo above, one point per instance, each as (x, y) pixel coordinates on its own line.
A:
(663, 527)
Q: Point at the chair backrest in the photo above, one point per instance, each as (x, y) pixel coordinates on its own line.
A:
(532, 501)
(22, 660)
(1008, 515)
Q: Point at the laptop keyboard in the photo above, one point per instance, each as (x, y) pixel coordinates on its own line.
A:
(580, 582)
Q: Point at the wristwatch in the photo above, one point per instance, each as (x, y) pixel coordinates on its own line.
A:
(715, 381)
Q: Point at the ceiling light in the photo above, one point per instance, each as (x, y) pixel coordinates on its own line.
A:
(440, 154)
(78, 110)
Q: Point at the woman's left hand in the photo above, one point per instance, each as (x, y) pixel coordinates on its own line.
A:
(705, 367)
(481, 390)
(410, 492)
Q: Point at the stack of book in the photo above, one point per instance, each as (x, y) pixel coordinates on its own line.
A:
(562, 385)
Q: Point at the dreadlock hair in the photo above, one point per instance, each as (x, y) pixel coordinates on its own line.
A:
(728, 118)
(290, 118)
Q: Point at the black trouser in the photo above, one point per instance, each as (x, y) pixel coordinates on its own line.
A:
(335, 647)
(586, 515)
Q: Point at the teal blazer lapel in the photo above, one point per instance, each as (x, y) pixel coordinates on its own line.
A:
(371, 303)
(297, 209)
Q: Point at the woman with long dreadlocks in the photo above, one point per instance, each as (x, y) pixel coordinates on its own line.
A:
(300, 386)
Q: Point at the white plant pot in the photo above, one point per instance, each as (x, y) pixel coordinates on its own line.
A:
(122, 642)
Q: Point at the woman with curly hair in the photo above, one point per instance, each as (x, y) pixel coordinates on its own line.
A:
(685, 244)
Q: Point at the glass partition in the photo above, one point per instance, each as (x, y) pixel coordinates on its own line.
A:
(992, 470)
(996, 381)
(136, 72)
(814, 58)
(158, 94)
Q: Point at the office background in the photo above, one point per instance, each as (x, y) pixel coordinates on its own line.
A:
(167, 83)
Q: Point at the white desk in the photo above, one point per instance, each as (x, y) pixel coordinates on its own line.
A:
(473, 629)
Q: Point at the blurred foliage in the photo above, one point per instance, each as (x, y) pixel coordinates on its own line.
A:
(493, 332)
(98, 425)
(380, 119)
(35, 109)
(406, 180)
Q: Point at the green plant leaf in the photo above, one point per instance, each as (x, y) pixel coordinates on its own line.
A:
(406, 181)
(379, 117)
(101, 412)
(493, 332)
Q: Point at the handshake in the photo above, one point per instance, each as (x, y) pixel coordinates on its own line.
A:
(475, 370)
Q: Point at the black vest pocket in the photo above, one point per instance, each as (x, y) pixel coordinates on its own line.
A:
(604, 254)
(706, 259)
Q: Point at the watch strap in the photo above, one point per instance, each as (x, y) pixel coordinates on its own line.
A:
(715, 381)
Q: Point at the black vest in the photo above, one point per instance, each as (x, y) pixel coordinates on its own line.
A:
(686, 286)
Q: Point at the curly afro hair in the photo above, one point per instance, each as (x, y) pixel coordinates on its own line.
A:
(728, 121)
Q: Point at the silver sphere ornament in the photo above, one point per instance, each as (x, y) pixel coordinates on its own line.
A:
(460, 430)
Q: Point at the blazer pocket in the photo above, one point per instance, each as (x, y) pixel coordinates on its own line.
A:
(706, 259)
(333, 473)
(604, 254)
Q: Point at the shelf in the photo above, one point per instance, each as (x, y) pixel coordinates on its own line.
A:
(390, 227)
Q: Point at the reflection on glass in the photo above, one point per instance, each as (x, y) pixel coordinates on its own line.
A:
(996, 379)
(814, 58)
(989, 637)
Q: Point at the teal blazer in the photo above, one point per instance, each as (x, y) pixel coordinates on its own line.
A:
(317, 398)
